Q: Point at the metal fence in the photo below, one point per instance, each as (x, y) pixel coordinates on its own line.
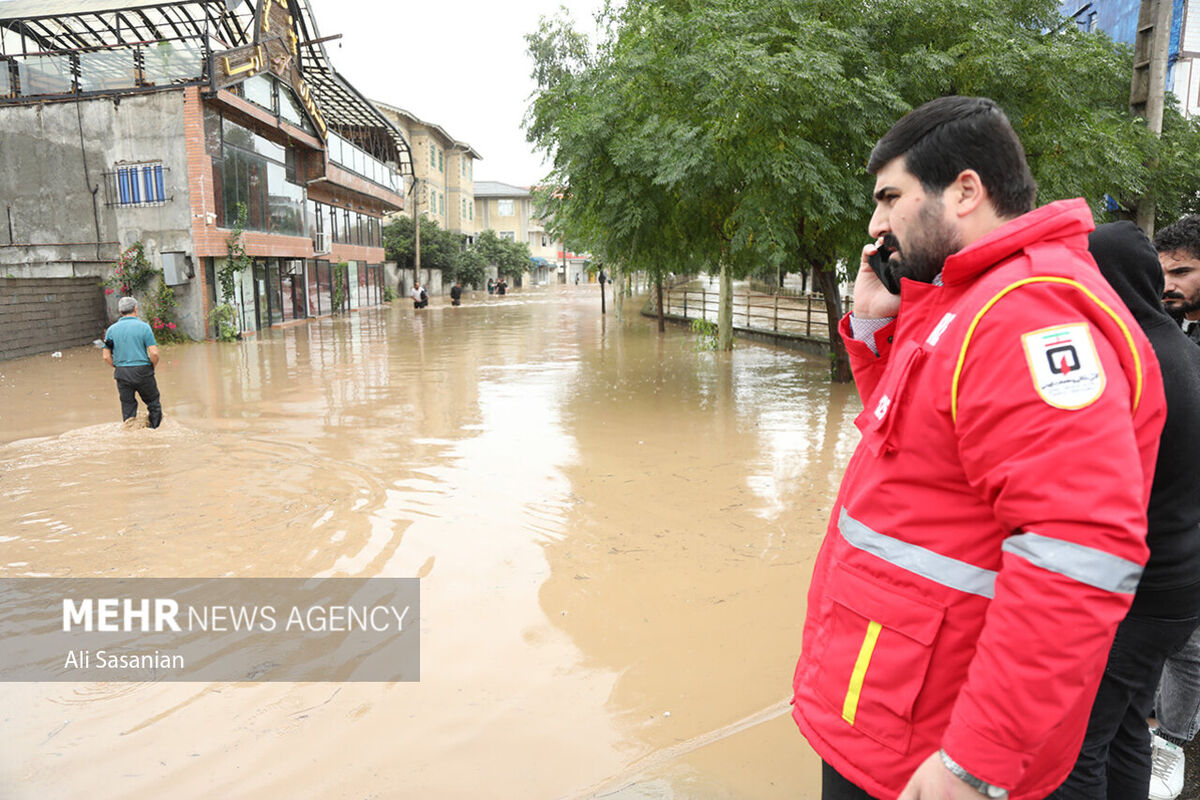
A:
(800, 316)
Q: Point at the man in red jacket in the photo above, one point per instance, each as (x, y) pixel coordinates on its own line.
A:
(990, 529)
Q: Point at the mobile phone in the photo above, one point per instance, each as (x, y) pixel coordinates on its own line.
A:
(879, 263)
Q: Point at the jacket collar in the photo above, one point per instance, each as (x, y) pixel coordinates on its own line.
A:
(1065, 220)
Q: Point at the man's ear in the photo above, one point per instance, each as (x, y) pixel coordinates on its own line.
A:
(966, 193)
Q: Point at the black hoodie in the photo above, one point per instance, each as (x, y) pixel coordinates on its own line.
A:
(1170, 585)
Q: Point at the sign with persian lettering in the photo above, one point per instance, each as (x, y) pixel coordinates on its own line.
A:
(276, 51)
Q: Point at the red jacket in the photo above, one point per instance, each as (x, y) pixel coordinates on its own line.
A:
(990, 529)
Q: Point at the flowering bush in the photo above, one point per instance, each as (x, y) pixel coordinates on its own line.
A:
(132, 272)
(159, 312)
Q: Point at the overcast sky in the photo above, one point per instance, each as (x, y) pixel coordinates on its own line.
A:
(458, 63)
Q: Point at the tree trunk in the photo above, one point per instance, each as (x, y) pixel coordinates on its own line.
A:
(725, 310)
(662, 322)
(825, 279)
(618, 282)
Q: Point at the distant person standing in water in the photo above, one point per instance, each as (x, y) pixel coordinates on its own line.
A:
(132, 351)
(456, 294)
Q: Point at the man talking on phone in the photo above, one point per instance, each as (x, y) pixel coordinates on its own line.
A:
(990, 529)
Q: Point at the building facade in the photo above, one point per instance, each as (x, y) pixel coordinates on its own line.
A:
(165, 123)
(1119, 19)
(509, 211)
(443, 169)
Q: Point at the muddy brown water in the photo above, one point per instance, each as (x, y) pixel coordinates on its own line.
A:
(614, 533)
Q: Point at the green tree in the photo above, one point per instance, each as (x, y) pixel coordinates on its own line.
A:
(508, 257)
(472, 268)
(733, 134)
(439, 248)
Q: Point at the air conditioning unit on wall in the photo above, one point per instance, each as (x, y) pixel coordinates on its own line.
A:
(177, 268)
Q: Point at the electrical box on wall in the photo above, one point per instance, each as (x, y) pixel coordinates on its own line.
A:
(177, 268)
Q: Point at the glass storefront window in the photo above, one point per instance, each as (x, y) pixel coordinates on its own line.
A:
(290, 109)
(314, 308)
(253, 173)
(240, 136)
(324, 288)
(246, 300)
(274, 291)
(286, 203)
(260, 90)
(352, 300)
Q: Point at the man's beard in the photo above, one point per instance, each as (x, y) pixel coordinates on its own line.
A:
(933, 241)
(1177, 311)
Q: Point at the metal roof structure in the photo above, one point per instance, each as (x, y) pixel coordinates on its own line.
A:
(49, 27)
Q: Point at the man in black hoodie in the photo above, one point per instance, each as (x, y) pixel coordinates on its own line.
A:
(1114, 762)
(1177, 704)
(1179, 251)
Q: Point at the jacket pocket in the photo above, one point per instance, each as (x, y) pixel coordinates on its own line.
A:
(876, 656)
(878, 421)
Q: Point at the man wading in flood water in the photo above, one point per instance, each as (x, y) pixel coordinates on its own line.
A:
(131, 350)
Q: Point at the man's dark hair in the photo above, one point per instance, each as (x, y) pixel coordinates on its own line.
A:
(951, 134)
(1181, 236)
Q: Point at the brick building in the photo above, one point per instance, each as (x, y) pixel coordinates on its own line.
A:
(155, 121)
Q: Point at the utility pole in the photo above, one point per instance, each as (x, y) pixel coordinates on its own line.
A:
(416, 193)
(417, 232)
(1146, 94)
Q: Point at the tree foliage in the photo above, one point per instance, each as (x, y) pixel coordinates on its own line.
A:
(507, 256)
(449, 252)
(733, 134)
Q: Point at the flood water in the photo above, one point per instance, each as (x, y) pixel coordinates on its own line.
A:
(614, 533)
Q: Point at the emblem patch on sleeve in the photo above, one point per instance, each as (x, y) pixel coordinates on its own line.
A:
(1065, 366)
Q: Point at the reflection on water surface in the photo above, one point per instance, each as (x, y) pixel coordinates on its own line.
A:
(614, 532)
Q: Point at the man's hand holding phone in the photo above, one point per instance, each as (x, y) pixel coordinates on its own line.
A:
(872, 299)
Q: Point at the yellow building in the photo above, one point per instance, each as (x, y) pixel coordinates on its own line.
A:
(508, 210)
(444, 169)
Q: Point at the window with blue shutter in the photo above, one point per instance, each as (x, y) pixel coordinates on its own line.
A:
(137, 185)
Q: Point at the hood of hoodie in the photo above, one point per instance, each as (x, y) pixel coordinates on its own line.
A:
(1129, 263)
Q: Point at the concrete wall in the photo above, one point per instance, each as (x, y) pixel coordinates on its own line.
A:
(431, 279)
(38, 315)
(53, 217)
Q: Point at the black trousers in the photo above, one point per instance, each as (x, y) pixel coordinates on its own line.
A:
(1114, 762)
(835, 787)
(139, 380)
